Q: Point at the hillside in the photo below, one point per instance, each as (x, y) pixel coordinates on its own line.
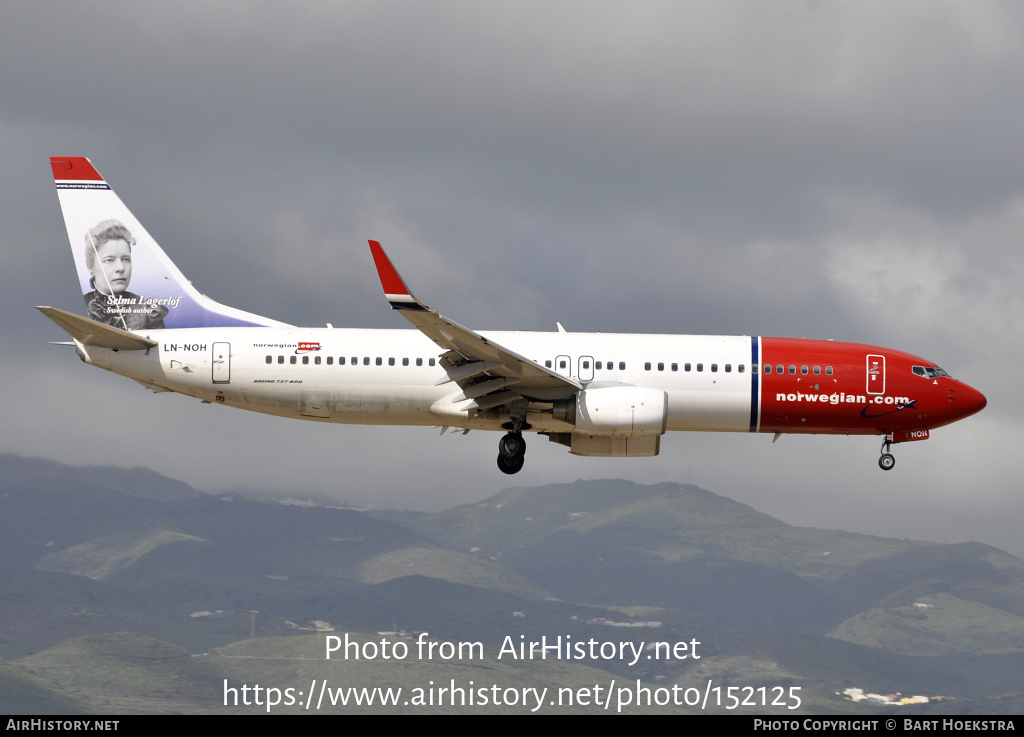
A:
(91, 552)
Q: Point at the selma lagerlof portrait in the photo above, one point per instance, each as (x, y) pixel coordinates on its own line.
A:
(108, 256)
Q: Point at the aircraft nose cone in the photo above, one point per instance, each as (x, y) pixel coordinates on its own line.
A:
(970, 400)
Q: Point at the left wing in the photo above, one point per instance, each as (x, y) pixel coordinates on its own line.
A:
(489, 374)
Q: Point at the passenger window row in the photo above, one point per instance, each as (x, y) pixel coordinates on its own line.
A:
(598, 365)
(804, 370)
(740, 368)
(563, 364)
(354, 360)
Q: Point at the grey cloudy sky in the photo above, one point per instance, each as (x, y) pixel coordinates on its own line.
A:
(829, 170)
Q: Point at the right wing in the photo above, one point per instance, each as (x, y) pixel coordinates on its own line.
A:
(490, 374)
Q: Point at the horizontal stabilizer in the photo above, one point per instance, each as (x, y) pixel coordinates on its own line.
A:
(90, 332)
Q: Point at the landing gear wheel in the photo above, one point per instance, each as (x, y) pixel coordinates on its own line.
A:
(511, 465)
(512, 446)
(886, 462)
(511, 452)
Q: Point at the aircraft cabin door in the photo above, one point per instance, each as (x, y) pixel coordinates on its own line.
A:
(563, 365)
(876, 374)
(221, 363)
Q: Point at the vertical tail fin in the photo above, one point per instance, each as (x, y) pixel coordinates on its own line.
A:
(127, 280)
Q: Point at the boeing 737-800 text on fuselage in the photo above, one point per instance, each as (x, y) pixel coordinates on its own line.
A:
(600, 394)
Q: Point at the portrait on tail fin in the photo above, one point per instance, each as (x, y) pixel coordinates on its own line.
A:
(118, 250)
(108, 256)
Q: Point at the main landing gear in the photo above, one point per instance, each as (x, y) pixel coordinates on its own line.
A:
(512, 452)
(887, 461)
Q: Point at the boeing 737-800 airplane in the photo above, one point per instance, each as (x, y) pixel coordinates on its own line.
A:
(600, 394)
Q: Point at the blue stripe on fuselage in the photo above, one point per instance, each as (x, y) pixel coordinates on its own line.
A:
(755, 343)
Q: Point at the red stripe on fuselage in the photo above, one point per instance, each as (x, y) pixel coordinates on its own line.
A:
(848, 401)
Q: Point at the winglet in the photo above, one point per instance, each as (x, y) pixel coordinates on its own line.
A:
(394, 288)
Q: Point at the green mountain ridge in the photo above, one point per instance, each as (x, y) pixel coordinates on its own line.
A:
(92, 552)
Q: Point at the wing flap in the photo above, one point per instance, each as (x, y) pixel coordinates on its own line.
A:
(467, 371)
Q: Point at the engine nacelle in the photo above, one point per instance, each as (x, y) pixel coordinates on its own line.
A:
(620, 411)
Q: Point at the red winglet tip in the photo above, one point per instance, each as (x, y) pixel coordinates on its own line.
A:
(389, 278)
(77, 168)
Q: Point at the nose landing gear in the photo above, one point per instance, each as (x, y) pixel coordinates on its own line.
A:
(511, 452)
(886, 461)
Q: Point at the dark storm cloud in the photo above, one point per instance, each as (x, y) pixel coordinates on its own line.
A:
(829, 170)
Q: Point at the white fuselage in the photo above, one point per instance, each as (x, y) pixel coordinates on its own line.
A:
(390, 377)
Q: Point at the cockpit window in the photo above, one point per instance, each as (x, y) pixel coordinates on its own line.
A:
(929, 372)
